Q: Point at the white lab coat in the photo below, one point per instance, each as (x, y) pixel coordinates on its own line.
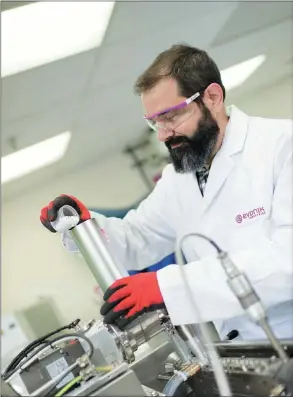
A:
(247, 209)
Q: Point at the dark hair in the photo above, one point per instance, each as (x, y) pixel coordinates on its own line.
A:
(191, 67)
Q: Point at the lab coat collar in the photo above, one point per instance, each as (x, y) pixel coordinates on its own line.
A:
(236, 131)
(223, 163)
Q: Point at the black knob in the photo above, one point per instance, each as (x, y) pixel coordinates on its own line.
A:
(232, 334)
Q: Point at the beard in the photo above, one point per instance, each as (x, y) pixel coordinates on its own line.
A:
(196, 151)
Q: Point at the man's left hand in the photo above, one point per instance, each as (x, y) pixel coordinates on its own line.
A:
(128, 298)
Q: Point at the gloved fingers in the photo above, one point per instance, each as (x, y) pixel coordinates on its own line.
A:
(83, 211)
(124, 304)
(112, 317)
(124, 321)
(121, 293)
(44, 220)
(133, 311)
(53, 208)
(48, 225)
(59, 202)
(110, 291)
(120, 282)
(108, 306)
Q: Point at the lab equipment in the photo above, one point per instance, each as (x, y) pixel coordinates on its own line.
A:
(150, 357)
(249, 300)
(116, 367)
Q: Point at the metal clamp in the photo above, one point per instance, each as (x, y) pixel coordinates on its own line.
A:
(122, 340)
(88, 370)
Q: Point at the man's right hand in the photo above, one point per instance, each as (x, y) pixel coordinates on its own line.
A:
(50, 212)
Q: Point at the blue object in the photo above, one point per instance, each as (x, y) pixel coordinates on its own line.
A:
(120, 213)
(169, 260)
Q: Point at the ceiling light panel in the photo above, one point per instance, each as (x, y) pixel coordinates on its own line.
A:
(43, 32)
(34, 157)
(236, 75)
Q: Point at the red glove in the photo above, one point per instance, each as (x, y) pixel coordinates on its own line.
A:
(129, 297)
(50, 212)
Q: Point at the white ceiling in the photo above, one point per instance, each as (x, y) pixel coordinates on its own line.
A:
(91, 93)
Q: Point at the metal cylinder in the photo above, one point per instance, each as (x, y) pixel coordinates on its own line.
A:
(90, 242)
(144, 329)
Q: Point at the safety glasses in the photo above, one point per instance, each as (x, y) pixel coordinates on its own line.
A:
(170, 118)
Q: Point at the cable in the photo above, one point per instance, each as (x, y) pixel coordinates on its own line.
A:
(42, 350)
(14, 363)
(247, 297)
(67, 387)
(74, 381)
(23, 354)
(34, 356)
(39, 341)
(219, 373)
(53, 382)
(212, 242)
(19, 366)
(250, 301)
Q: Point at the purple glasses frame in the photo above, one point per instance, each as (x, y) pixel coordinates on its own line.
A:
(180, 106)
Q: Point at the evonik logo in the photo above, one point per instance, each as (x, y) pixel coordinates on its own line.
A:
(250, 215)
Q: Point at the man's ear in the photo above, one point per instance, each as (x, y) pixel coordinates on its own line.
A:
(213, 97)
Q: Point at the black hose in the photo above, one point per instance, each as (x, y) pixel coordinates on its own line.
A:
(212, 242)
(14, 363)
(51, 342)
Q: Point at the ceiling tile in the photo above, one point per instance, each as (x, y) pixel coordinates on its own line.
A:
(253, 16)
(26, 93)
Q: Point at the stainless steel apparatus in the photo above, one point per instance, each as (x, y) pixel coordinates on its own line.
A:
(150, 358)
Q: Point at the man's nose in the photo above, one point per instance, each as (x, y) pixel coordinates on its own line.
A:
(164, 134)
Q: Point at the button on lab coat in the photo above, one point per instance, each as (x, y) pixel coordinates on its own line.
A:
(247, 209)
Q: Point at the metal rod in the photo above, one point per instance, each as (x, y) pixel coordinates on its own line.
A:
(195, 344)
(274, 341)
(90, 242)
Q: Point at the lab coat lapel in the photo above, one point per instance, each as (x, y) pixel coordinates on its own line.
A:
(221, 168)
(223, 162)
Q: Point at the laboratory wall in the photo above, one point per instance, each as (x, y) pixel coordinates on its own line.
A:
(272, 101)
(34, 263)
